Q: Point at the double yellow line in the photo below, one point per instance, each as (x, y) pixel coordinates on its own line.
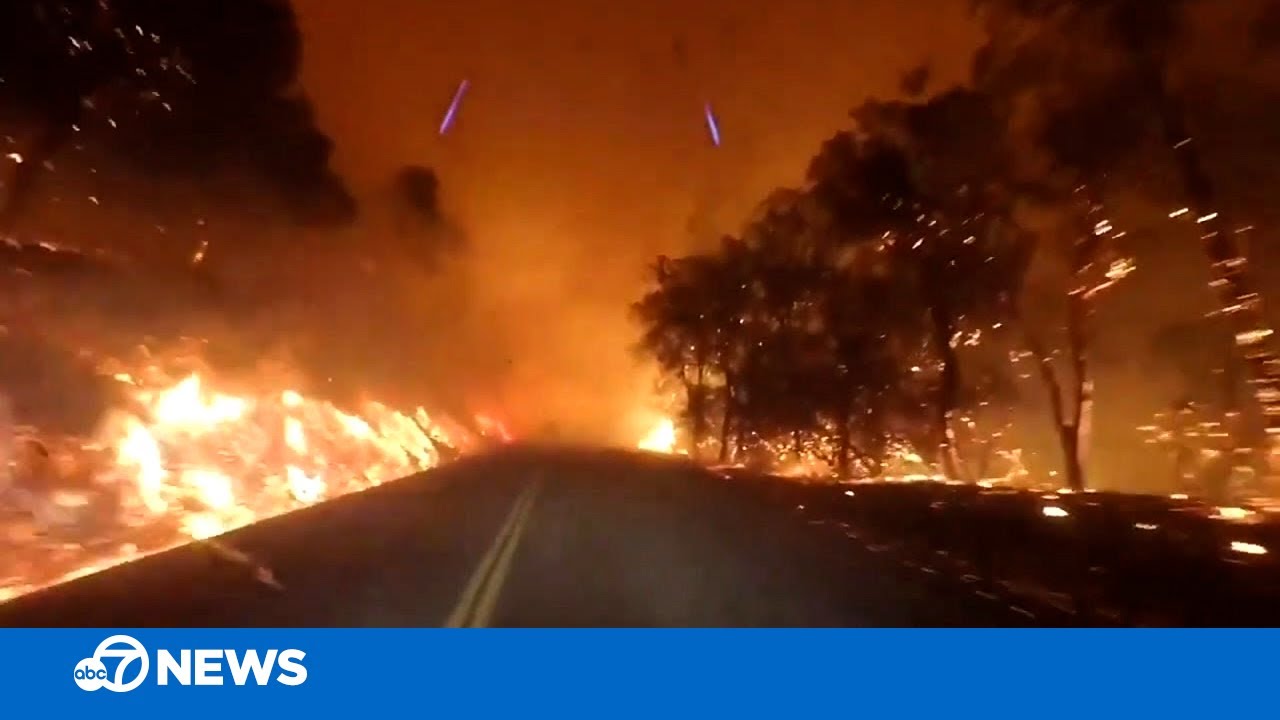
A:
(480, 597)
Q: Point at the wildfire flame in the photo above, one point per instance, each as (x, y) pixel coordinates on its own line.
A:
(188, 460)
(660, 439)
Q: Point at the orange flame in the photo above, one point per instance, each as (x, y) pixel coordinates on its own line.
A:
(660, 439)
(188, 460)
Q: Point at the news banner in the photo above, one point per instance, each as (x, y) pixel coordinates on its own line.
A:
(634, 673)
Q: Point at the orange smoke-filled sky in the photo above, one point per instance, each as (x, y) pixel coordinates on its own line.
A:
(580, 152)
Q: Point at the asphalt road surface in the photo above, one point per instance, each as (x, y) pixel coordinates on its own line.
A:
(527, 537)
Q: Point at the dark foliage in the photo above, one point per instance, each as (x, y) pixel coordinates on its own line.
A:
(196, 86)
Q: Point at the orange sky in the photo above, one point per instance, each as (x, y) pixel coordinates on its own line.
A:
(580, 151)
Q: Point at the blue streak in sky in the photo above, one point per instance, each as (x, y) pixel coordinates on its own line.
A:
(712, 126)
(453, 106)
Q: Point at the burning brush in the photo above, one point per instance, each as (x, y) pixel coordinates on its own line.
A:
(184, 457)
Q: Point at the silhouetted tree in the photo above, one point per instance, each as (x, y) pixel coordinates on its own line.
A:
(945, 239)
(868, 337)
(679, 335)
(977, 157)
(179, 88)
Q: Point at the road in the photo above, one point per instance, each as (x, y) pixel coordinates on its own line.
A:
(527, 537)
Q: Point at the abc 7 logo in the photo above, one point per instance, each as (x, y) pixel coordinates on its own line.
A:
(91, 673)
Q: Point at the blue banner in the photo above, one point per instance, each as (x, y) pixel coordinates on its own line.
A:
(639, 673)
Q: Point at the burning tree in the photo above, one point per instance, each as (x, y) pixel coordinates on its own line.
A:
(868, 384)
(946, 239)
(1112, 79)
(910, 245)
(682, 332)
(779, 350)
(802, 332)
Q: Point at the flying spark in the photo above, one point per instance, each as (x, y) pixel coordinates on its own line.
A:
(453, 106)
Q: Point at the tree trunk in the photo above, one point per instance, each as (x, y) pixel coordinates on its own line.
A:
(696, 407)
(844, 433)
(1238, 302)
(1067, 431)
(844, 447)
(984, 461)
(1069, 438)
(726, 422)
(948, 389)
(1074, 423)
(1076, 428)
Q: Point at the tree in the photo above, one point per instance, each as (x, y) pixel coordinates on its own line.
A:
(679, 333)
(195, 86)
(1110, 84)
(801, 332)
(868, 335)
(730, 312)
(1089, 274)
(890, 185)
(782, 343)
(981, 156)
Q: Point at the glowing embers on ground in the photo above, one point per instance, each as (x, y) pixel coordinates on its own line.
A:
(1247, 548)
(812, 457)
(187, 459)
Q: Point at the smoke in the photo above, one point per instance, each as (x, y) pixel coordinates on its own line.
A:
(581, 154)
(491, 269)
(165, 179)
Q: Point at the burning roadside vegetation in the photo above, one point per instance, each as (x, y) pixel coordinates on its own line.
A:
(110, 451)
(193, 329)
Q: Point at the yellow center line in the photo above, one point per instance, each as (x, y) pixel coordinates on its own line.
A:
(475, 605)
(492, 589)
(462, 612)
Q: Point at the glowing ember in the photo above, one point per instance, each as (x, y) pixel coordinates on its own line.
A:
(1232, 513)
(661, 439)
(186, 460)
(1248, 548)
